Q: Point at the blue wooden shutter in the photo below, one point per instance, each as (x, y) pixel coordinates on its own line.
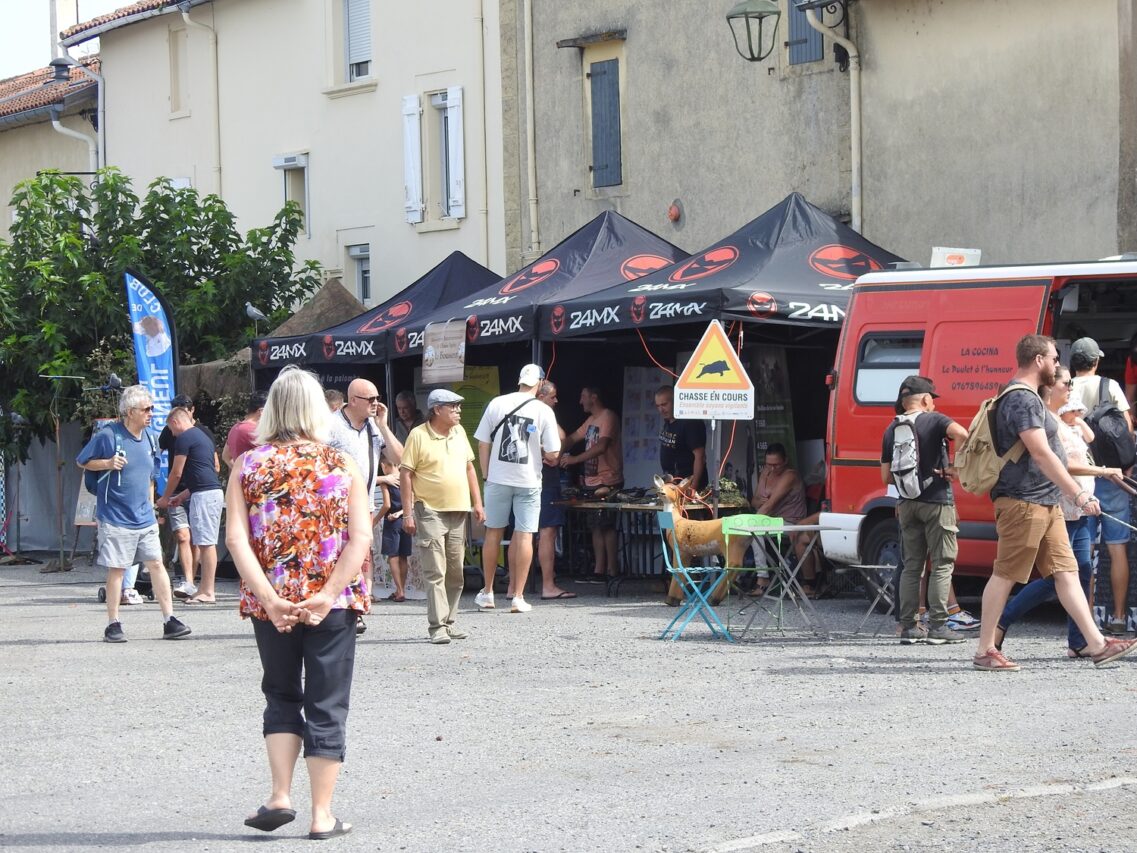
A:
(806, 43)
(606, 154)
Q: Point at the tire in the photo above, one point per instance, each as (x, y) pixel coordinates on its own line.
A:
(882, 548)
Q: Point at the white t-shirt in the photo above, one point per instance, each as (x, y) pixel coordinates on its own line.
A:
(515, 451)
(347, 439)
(1086, 389)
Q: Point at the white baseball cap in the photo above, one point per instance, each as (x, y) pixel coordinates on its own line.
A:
(531, 374)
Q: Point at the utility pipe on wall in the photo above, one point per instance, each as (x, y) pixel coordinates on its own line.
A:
(854, 113)
(531, 135)
(190, 22)
(101, 108)
(484, 209)
(92, 142)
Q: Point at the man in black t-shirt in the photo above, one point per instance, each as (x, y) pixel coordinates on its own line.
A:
(682, 443)
(177, 518)
(928, 522)
(192, 472)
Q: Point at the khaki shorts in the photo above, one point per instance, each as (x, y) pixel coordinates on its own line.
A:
(1030, 535)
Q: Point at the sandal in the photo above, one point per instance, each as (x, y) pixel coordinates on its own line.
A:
(761, 587)
(1001, 635)
(1074, 654)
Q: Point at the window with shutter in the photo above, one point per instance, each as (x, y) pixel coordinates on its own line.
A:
(412, 159)
(604, 82)
(455, 186)
(806, 43)
(357, 36)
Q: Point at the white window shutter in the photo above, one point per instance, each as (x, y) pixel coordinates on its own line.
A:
(412, 158)
(358, 31)
(457, 190)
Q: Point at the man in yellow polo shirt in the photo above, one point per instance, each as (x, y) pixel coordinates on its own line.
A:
(439, 481)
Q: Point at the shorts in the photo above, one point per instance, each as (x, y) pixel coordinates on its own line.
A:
(1115, 501)
(177, 518)
(1030, 534)
(551, 516)
(601, 519)
(524, 501)
(205, 516)
(396, 543)
(120, 547)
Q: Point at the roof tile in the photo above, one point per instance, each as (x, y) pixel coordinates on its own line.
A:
(124, 12)
(37, 89)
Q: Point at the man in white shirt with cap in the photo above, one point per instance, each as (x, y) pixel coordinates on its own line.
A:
(516, 432)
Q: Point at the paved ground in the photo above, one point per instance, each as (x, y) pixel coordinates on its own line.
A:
(567, 729)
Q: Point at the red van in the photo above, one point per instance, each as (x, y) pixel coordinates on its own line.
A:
(958, 326)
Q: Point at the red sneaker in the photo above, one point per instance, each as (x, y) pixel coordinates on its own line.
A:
(994, 661)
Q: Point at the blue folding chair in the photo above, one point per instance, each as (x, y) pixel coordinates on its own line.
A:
(697, 582)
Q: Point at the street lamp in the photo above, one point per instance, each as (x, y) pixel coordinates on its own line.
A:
(756, 22)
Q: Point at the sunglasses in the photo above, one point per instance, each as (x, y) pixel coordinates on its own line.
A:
(372, 400)
(144, 409)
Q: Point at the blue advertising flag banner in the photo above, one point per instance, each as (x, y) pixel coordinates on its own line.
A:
(155, 352)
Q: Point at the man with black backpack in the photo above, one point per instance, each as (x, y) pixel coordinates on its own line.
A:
(913, 458)
(516, 436)
(122, 458)
(1111, 420)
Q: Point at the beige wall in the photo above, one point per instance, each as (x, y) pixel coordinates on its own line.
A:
(992, 124)
(26, 149)
(279, 95)
(727, 137)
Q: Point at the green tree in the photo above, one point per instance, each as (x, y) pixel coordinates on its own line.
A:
(62, 299)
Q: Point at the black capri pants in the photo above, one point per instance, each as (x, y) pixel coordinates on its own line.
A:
(307, 681)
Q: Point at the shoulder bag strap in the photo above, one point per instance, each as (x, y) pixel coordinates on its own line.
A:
(500, 423)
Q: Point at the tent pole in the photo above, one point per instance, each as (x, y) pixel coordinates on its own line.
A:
(390, 384)
(537, 351)
(715, 463)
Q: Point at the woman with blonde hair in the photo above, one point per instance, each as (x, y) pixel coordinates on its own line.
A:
(298, 530)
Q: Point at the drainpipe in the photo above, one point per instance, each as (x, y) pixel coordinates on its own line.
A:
(854, 113)
(531, 135)
(484, 212)
(92, 142)
(101, 87)
(184, 8)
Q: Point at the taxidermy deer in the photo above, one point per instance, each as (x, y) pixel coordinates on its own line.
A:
(698, 539)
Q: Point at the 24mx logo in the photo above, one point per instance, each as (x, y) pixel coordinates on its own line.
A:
(594, 317)
(824, 312)
(354, 348)
(660, 310)
(285, 352)
(500, 326)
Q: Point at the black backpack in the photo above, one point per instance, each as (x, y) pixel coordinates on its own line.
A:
(1113, 443)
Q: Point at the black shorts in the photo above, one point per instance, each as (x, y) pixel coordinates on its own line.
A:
(395, 543)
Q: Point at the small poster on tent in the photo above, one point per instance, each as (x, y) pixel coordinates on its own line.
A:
(773, 410)
(479, 386)
(444, 352)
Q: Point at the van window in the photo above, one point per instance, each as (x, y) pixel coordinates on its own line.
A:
(883, 362)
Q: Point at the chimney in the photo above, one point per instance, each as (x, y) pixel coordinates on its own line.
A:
(64, 14)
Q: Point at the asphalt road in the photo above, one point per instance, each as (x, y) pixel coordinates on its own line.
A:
(570, 728)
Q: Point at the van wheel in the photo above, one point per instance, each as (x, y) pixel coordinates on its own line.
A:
(882, 548)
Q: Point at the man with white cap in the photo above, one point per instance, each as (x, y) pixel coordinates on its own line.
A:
(1090, 388)
(517, 432)
(439, 484)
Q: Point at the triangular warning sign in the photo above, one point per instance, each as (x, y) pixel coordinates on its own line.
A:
(714, 366)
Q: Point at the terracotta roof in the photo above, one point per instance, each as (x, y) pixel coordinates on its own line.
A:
(119, 17)
(37, 89)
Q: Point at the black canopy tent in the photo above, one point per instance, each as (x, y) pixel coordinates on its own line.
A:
(794, 264)
(608, 249)
(363, 339)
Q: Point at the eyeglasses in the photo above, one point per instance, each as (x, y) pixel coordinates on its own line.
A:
(144, 409)
(1069, 383)
(371, 400)
(451, 405)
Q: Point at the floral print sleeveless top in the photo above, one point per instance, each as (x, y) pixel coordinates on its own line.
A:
(297, 496)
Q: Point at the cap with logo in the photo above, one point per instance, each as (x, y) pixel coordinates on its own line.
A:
(914, 385)
(531, 374)
(442, 396)
(1086, 347)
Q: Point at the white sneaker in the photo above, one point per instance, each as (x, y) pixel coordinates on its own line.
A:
(185, 590)
(131, 596)
(484, 600)
(520, 605)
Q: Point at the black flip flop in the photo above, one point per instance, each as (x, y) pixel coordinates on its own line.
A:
(564, 594)
(267, 819)
(335, 832)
